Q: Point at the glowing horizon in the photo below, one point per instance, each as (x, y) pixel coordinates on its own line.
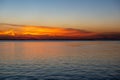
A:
(44, 31)
(12, 31)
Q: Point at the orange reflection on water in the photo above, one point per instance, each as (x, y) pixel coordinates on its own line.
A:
(31, 51)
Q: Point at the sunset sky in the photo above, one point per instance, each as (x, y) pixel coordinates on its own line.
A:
(91, 15)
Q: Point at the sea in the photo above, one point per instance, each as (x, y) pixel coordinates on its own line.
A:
(59, 60)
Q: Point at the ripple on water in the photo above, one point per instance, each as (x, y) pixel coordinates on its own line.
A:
(19, 78)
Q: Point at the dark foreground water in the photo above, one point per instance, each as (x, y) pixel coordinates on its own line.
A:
(60, 60)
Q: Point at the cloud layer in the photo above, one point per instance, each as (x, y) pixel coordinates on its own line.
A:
(25, 32)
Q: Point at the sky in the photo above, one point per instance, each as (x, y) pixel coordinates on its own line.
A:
(90, 15)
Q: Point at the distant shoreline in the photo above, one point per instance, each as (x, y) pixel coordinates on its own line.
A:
(55, 40)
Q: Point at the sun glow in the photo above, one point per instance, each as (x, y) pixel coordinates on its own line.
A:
(8, 32)
(32, 30)
(40, 32)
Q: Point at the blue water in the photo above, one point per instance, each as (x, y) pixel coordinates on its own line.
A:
(60, 60)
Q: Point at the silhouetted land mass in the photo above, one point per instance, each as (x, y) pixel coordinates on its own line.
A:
(110, 36)
(92, 39)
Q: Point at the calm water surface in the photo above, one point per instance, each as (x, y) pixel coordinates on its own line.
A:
(60, 60)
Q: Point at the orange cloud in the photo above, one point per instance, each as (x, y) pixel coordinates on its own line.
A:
(46, 32)
(40, 32)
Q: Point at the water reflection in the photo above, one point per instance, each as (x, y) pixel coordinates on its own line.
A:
(60, 59)
(49, 50)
